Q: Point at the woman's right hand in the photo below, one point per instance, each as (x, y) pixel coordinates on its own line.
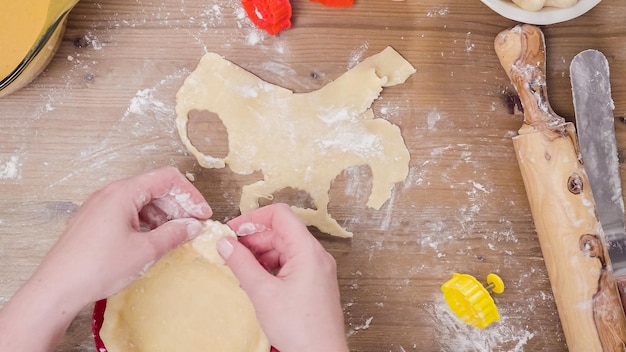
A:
(299, 306)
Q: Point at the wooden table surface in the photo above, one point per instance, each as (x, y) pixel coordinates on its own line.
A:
(104, 109)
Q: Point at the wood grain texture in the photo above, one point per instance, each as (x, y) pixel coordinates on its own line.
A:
(104, 109)
(571, 238)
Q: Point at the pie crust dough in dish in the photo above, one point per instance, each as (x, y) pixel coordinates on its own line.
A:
(188, 301)
(301, 141)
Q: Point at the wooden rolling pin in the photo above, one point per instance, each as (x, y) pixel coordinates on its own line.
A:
(570, 236)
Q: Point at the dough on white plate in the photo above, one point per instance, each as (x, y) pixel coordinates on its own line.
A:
(301, 141)
(536, 5)
(561, 3)
(187, 301)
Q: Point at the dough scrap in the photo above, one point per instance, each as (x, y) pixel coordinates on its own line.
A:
(536, 5)
(300, 140)
(188, 301)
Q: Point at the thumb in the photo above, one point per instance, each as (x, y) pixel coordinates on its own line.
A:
(172, 234)
(243, 264)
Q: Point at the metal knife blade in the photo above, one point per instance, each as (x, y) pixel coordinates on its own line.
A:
(593, 105)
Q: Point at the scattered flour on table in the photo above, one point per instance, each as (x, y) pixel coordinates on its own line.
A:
(220, 14)
(354, 329)
(432, 118)
(142, 99)
(83, 60)
(147, 113)
(253, 38)
(416, 175)
(479, 187)
(150, 111)
(212, 16)
(441, 11)
(356, 185)
(357, 55)
(388, 211)
(469, 46)
(11, 168)
(455, 335)
(515, 329)
(388, 110)
(277, 68)
(216, 18)
(148, 119)
(474, 193)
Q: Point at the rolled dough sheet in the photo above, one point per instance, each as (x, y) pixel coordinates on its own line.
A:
(188, 301)
(300, 140)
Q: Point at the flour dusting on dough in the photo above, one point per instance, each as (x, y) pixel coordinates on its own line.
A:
(184, 200)
(205, 242)
(329, 130)
(365, 144)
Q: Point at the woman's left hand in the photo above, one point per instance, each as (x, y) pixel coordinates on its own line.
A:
(115, 236)
(122, 229)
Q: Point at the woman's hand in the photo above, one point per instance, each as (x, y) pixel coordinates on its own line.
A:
(105, 247)
(115, 236)
(299, 307)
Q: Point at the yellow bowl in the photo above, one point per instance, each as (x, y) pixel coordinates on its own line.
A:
(37, 58)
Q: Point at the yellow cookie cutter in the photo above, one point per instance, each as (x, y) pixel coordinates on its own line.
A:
(471, 301)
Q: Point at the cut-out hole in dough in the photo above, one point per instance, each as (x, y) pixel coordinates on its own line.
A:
(349, 190)
(300, 140)
(207, 132)
(295, 197)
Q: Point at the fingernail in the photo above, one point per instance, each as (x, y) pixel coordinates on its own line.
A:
(206, 209)
(224, 248)
(248, 228)
(194, 228)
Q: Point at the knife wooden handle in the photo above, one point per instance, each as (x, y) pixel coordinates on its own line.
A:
(570, 236)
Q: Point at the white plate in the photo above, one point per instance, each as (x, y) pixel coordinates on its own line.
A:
(547, 15)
